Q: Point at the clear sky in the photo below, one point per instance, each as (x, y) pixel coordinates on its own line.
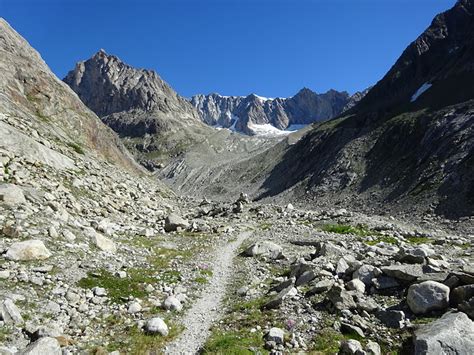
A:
(233, 47)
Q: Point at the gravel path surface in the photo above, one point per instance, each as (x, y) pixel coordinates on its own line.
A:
(206, 310)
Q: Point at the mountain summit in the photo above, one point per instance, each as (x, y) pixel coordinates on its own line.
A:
(138, 105)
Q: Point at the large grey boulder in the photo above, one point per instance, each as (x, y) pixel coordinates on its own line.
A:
(9, 312)
(265, 248)
(340, 299)
(453, 334)
(28, 250)
(11, 195)
(428, 296)
(365, 274)
(173, 222)
(43, 346)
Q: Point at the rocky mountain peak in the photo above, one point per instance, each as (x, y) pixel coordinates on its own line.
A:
(107, 85)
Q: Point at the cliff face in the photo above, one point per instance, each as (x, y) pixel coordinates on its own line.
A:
(34, 99)
(409, 142)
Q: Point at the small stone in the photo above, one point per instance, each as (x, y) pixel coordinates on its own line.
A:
(373, 348)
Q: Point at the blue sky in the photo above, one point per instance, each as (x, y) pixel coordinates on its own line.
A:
(234, 47)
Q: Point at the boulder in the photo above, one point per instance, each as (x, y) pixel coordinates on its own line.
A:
(42, 346)
(461, 294)
(275, 334)
(365, 274)
(356, 285)
(453, 333)
(415, 255)
(351, 346)
(156, 325)
(340, 299)
(173, 222)
(172, 304)
(427, 296)
(404, 272)
(9, 312)
(265, 248)
(28, 250)
(11, 195)
(320, 287)
(104, 243)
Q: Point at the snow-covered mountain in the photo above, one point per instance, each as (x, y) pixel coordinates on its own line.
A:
(254, 114)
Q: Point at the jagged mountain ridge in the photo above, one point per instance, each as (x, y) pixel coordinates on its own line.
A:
(241, 113)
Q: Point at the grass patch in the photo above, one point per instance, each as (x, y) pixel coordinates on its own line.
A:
(360, 229)
(117, 288)
(386, 239)
(327, 341)
(137, 342)
(235, 343)
(418, 240)
(77, 148)
(201, 280)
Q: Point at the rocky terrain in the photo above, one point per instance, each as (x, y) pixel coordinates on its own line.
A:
(247, 114)
(359, 241)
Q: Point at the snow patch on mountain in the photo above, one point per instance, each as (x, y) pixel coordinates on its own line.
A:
(423, 88)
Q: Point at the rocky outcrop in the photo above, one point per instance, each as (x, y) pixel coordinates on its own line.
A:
(154, 122)
(242, 113)
(42, 116)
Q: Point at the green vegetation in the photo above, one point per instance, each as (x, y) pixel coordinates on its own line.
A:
(77, 148)
(327, 341)
(385, 238)
(201, 280)
(360, 229)
(135, 341)
(235, 343)
(117, 288)
(418, 240)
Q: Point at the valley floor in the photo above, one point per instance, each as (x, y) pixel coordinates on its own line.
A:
(122, 265)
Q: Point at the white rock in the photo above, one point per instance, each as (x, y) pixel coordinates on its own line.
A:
(104, 243)
(134, 307)
(43, 346)
(28, 250)
(156, 325)
(11, 195)
(172, 304)
(356, 285)
(10, 313)
(276, 334)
